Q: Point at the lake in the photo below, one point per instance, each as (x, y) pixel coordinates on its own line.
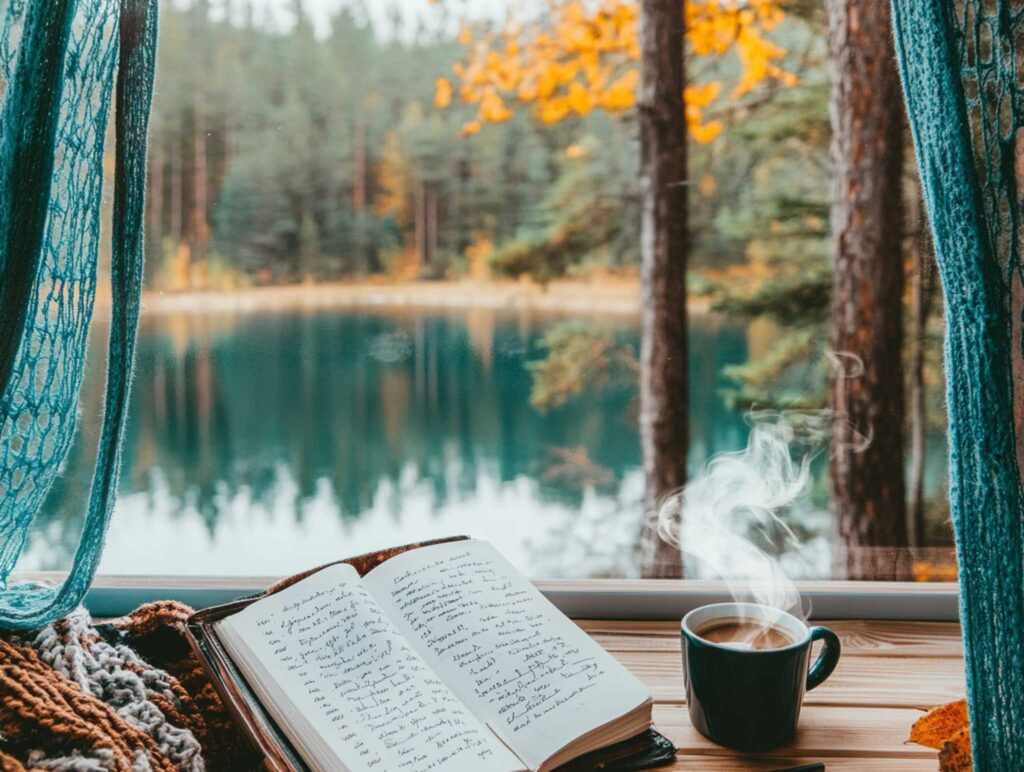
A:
(265, 443)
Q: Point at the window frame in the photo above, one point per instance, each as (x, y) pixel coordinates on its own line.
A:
(622, 599)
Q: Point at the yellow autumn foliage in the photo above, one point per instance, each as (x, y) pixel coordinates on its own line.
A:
(442, 93)
(621, 93)
(586, 57)
(493, 108)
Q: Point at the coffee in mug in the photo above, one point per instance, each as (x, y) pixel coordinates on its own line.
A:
(738, 633)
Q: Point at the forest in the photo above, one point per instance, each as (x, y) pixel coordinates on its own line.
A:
(281, 156)
(539, 148)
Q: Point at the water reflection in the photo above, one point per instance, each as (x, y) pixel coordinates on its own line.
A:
(266, 443)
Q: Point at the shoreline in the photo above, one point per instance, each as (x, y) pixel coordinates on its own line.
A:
(615, 298)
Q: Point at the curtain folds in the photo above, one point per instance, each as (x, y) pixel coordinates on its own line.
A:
(959, 63)
(63, 63)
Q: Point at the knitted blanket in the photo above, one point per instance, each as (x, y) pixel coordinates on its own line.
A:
(126, 695)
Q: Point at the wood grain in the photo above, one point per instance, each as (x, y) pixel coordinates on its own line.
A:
(859, 637)
(857, 720)
(824, 731)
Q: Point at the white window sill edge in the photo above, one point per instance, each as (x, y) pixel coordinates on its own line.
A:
(653, 599)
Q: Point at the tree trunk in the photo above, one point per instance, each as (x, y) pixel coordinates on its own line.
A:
(421, 225)
(664, 420)
(230, 139)
(923, 292)
(431, 249)
(200, 181)
(155, 210)
(359, 189)
(867, 446)
(359, 163)
(181, 269)
(174, 229)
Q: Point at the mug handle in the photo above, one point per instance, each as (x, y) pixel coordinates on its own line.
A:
(827, 660)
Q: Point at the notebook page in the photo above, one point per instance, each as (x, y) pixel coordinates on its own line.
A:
(513, 658)
(358, 684)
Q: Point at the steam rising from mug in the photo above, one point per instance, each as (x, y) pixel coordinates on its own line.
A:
(729, 519)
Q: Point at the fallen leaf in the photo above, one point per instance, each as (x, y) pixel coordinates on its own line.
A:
(940, 725)
(955, 755)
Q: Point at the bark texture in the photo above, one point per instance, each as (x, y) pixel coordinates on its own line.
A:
(664, 399)
(922, 295)
(868, 451)
(200, 195)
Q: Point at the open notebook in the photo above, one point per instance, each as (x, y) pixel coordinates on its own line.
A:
(441, 658)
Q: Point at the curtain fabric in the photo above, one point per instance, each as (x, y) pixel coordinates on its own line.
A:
(63, 63)
(961, 71)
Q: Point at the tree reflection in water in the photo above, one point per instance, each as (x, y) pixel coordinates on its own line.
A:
(263, 443)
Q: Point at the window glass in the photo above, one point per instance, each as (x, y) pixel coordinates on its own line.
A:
(393, 293)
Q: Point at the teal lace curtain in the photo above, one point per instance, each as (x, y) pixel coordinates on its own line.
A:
(962, 64)
(63, 63)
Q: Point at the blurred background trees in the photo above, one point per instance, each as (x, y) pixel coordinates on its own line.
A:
(541, 147)
(281, 154)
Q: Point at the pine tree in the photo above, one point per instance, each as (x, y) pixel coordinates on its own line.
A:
(867, 399)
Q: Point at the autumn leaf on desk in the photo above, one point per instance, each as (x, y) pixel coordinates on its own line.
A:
(955, 755)
(947, 729)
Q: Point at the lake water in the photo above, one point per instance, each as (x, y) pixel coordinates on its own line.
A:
(268, 443)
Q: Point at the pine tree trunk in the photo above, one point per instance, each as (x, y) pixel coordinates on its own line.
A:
(180, 270)
(923, 292)
(359, 163)
(200, 181)
(174, 226)
(230, 139)
(431, 249)
(866, 111)
(664, 420)
(155, 195)
(421, 225)
(359, 190)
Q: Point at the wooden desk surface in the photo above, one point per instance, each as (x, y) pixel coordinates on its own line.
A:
(857, 720)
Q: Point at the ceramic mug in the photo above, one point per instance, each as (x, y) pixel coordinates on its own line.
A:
(749, 699)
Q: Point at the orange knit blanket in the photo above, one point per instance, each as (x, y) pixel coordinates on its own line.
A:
(126, 695)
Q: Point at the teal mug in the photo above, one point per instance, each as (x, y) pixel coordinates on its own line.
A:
(749, 699)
